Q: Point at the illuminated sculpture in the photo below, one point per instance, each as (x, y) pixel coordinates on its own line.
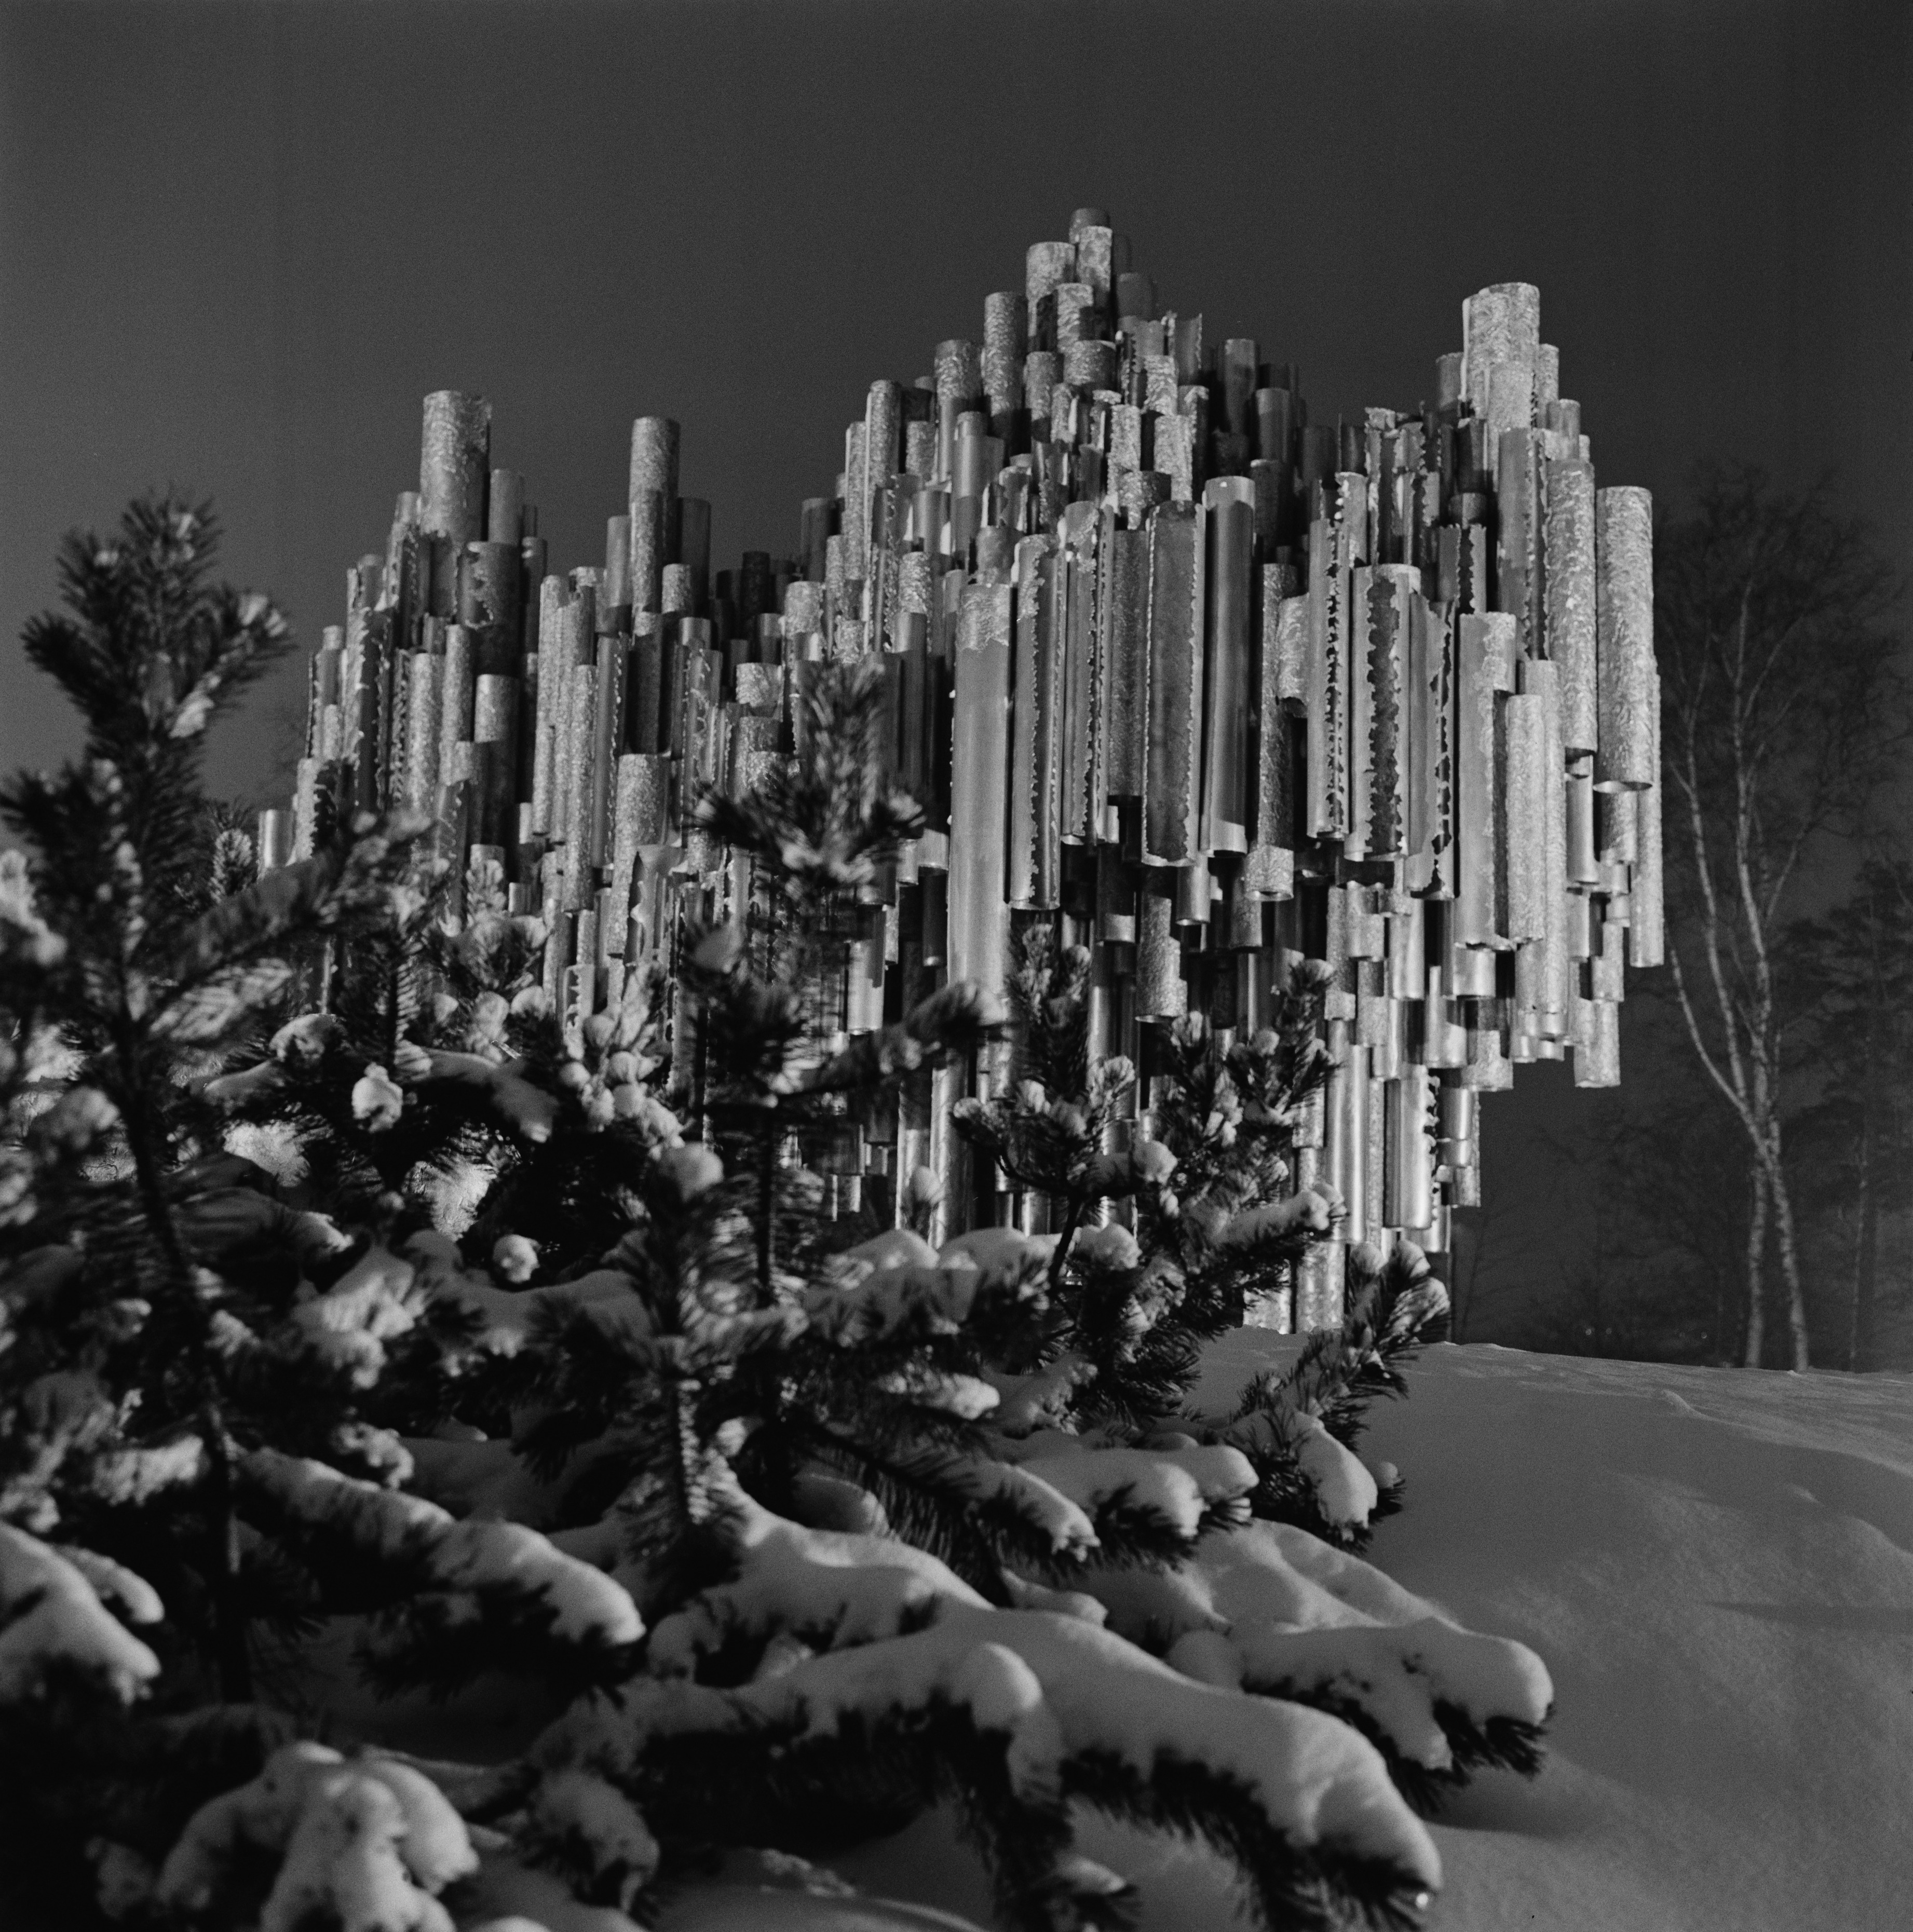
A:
(1217, 688)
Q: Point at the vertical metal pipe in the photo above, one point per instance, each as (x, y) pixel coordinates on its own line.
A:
(1550, 833)
(1161, 992)
(1126, 605)
(1318, 1291)
(1500, 325)
(1005, 343)
(1331, 625)
(1172, 821)
(1647, 939)
(1517, 546)
(1229, 507)
(275, 839)
(554, 682)
(580, 722)
(1379, 738)
(454, 463)
(1034, 747)
(1074, 585)
(495, 722)
(1523, 806)
(1624, 760)
(457, 693)
(1048, 265)
(949, 1158)
(1484, 671)
(576, 653)
(979, 910)
(1583, 864)
(423, 724)
(1270, 873)
(1345, 1129)
(1597, 1062)
(607, 741)
(1410, 1201)
(1569, 629)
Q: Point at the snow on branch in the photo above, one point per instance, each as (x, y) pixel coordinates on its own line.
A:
(827, 1588)
(1010, 1491)
(1080, 1710)
(589, 1834)
(1176, 1489)
(499, 1561)
(509, 1316)
(1341, 1487)
(366, 1843)
(920, 1298)
(51, 1618)
(1270, 1608)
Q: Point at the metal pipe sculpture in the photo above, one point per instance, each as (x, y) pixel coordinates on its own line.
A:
(1210, 687)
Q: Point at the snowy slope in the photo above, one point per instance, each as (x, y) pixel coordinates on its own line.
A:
(1717, 1566)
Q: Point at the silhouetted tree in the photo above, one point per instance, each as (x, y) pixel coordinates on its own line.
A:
(1854, 969)
(1783, 710)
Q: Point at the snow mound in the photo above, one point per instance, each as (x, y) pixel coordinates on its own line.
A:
(1717, 1567)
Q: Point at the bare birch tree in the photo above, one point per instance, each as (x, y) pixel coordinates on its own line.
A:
(1783, 706)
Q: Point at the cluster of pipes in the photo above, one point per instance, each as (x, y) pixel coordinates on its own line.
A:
(1207, 687)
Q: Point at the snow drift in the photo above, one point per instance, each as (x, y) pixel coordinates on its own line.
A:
(1717, 1566)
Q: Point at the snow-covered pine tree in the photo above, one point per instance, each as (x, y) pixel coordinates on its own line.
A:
(872, 1498)
(1210, 1216)
(905, 1525)
(188, 1354)
(1206, 1215)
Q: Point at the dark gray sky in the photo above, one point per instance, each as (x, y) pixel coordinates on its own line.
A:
(238, 243)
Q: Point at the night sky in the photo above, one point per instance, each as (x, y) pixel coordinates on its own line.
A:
(239, 243)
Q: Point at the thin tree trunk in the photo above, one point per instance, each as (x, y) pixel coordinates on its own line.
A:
(1865, 1243)
(1870, 1276)
(1464, 1289)
(1756, 1267)
(1783, 1226)
(1877, 1110)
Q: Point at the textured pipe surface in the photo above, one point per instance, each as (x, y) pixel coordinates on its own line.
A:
(1080, 788)
(1172, 829)
(1500, 324)
(1647, 931)
(1517, 554)
(1568, 630)
(426, 674)
(1624, 522)
(1161, 992)
(979, 907)
(1524, 819)
(458, 692)
(454, 462)
(1345, 1143)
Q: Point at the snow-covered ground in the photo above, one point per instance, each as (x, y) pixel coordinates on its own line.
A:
(1717, 1566)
